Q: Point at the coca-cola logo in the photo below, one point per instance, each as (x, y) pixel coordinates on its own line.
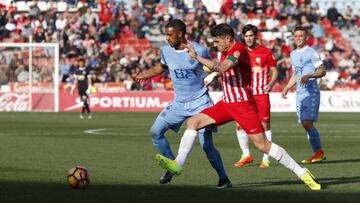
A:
(14, 102)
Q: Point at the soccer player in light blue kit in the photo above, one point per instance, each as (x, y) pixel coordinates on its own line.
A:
(307, 67)
(191, 97)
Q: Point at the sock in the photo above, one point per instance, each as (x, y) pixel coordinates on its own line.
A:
(268, 134)
(186, 144)
(285, 159)
(243, 142)
(213, 155)
(157, 132)
(314, 139)
(86, 105)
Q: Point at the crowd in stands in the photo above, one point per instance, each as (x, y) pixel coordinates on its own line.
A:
(112, 36)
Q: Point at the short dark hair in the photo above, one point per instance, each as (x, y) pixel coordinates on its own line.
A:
(222, 29)
(250, 27)
(177, 24)
(301, 28)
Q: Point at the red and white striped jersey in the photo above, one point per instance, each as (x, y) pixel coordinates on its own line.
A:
(261, 60)
(236, 80)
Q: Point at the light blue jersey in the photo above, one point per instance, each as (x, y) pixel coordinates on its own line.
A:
(305, 61)
(186, 73)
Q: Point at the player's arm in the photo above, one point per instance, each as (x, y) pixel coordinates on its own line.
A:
(215, 66)
(74, 85)
(151, 72)
(319, 72)
(209, 78)
(89, 84)
(288, 86)
(274, 76)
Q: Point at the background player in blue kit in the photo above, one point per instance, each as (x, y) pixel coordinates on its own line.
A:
(307, 67)
(191, 97)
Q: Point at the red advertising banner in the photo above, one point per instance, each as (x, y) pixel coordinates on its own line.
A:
(17, 101)
(115, 102)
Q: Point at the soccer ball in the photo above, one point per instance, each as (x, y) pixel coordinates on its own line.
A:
(207, 69)
(78, 177)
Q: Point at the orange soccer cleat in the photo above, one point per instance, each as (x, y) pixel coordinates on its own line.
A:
(243, 161)
(317, 158)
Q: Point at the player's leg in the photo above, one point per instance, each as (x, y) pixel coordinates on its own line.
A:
(309, 109)
(243, 140)
(213, 155)
(247, 117)
(263, 111)
(87, 106)
(213, 115)
(84, 101)
(171, 117)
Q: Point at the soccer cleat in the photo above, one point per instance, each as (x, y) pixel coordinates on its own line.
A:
(166, 178)
(264, 164)
(89, 116)
(310, 181)
(81, 116)
(317, 158)
(168, 164)
(243, 161)
(224, 183)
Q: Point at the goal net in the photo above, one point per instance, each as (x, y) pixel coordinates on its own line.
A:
(29, 77)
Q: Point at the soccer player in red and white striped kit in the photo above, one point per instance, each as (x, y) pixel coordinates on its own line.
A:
(262, 63)
(237, 104)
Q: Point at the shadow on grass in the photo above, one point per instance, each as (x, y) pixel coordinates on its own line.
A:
(52, 192)
(340, 161)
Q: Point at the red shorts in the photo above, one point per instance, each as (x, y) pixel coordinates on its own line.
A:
(263, 107)
(243, 113)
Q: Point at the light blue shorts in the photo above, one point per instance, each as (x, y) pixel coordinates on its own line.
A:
(307, 106)
(177, 112)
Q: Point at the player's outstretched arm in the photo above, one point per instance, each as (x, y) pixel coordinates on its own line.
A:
(288, 86)
(215, 66)
(151, 72)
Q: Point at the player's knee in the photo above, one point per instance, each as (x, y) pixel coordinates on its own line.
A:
(238, 127)
(193, 123)
(308, 125)
(155, 132)
(263, 146)
(266, 126)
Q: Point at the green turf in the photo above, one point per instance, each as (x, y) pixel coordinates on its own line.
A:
(36, 149)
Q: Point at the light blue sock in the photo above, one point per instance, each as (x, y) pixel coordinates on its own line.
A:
(213, 155)
(314, 139)
(159, 140)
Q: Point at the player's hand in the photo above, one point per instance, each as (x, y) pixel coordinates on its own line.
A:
(304, 79)
(88, 90)
(209, 78)
(268, 88)
(191, 50)
(284, 93)
(140, 77)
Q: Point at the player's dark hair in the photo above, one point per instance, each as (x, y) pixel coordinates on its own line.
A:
(250, 27)
(178, 25)
(222, 29)
(301, 28)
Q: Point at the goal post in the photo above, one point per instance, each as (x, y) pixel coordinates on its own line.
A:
(39, 87)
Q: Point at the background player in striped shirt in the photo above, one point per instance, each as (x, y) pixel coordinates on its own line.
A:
(262, 63)
(307, 66)
(236, 104)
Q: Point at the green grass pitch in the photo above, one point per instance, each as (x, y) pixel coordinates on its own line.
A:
(36, 150)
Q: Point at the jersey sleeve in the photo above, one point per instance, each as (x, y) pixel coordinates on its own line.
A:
(315, 59)
(205, 53)
(236, 54)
